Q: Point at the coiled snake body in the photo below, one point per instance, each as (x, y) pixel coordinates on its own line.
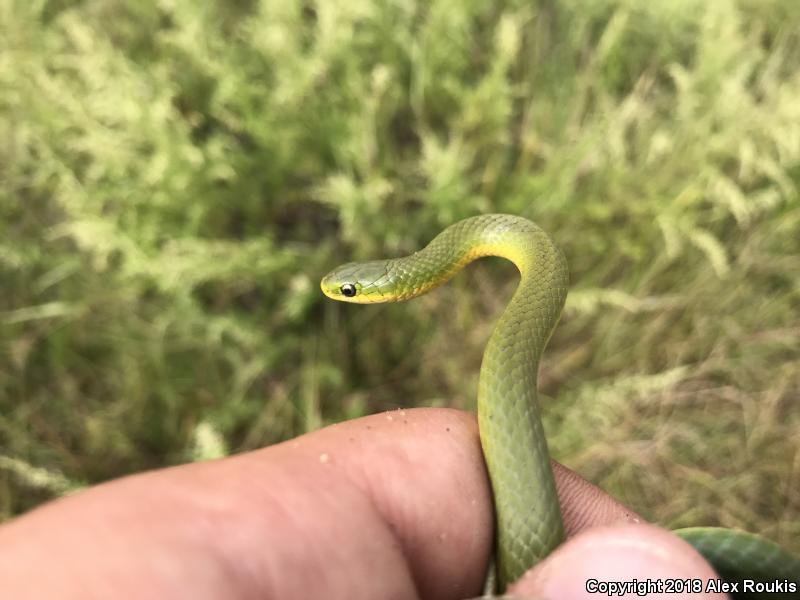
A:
(529, 524)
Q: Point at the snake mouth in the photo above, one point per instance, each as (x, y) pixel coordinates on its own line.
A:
(363, 295)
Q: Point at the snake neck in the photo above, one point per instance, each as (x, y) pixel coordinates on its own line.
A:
(530, 317)
(527, 512)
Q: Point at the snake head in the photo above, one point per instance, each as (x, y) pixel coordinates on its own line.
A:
(360, 283)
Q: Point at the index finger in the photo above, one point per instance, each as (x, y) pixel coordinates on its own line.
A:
(395, 505)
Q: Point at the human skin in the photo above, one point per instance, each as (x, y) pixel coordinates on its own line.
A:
(395, 505)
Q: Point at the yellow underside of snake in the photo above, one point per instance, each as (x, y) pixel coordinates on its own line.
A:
(528, 518)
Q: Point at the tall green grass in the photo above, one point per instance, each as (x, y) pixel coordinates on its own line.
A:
(175, 177)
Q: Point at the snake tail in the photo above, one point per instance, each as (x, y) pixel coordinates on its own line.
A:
(739, 555)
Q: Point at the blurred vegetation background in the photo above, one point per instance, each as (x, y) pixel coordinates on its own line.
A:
(175, 177)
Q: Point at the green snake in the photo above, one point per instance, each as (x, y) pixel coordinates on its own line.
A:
(528, 518)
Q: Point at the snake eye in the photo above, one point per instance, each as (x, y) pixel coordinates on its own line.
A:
(348, 290)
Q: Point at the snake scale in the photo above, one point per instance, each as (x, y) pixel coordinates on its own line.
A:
(528, 518)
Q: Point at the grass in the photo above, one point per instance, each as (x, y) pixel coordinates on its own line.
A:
(174, 180)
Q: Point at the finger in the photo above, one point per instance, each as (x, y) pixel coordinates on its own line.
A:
(394, 505)
(584, 505)
(421, 473)
(619, 555)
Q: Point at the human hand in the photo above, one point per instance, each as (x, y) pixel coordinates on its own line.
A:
(395, 505)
